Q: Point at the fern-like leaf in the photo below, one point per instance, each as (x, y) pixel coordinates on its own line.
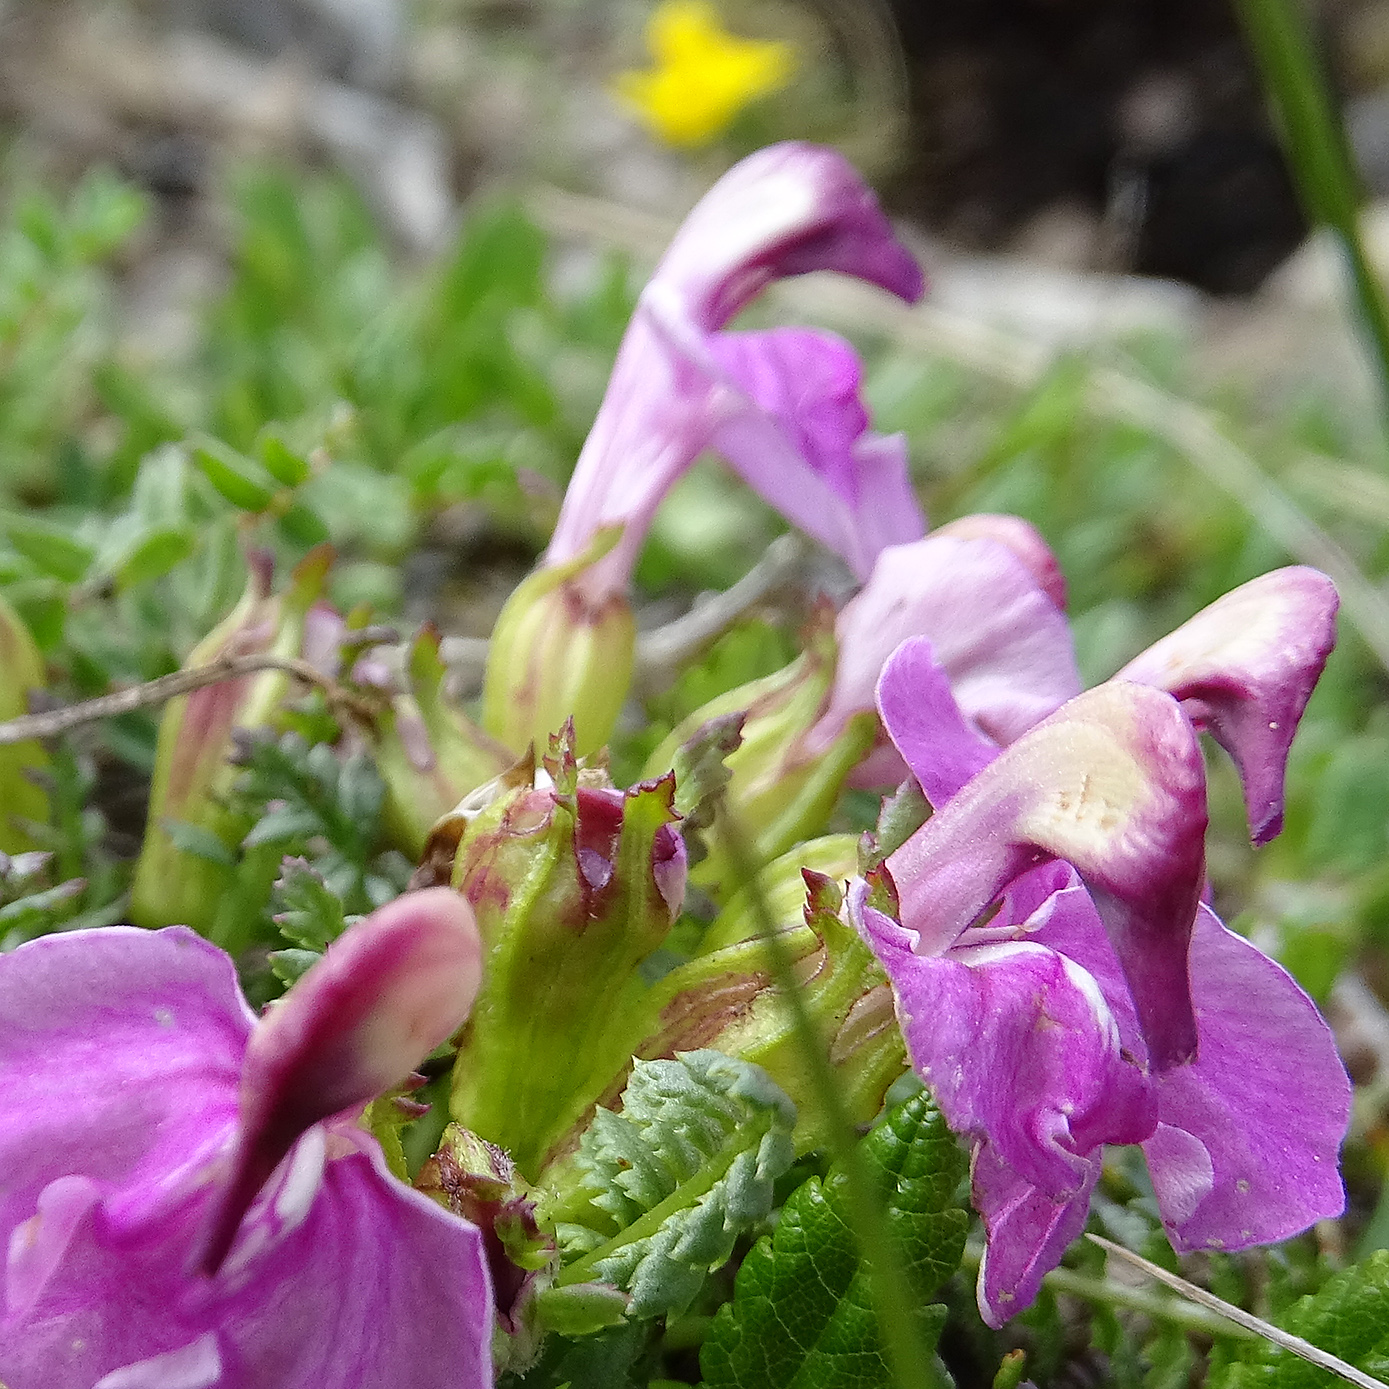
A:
(677, 1176)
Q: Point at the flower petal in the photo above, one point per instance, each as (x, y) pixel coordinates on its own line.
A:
(1018, 1046)
(799, 439)
(1244, 669)
(120, 1056)
(297, 1315)
(787, 210)
(389, 990)
(1267, 1097)
(1022, 538)
(1246, 1150)
(1027, 1233)
(1114, 784)
(1003, 647)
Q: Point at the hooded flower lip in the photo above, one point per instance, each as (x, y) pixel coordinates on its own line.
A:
(1112, 783)
(1244, 669)
(782, 406)
(994, 627)
(136, 1081)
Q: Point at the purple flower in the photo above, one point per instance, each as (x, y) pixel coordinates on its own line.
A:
(1103, 1003)
(782, 405)
(987, 593)
(188, 1197)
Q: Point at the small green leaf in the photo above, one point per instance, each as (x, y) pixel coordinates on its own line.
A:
(581, 1309)
(285, 466)
(53, 549)
(289, 966)
(307, 911)
(154, 554)
(241, 480)
(200, 842)
(802, 1314)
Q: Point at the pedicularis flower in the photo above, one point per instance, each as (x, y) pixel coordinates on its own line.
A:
(187, 1195)
(1104, 1002)
(781, 406)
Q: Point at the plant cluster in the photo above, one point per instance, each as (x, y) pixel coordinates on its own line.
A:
(585, 1037)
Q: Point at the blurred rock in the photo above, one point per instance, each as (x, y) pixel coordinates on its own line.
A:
(359, 41)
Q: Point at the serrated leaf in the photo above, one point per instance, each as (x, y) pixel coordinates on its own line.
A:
(1347, 1318)
(682, 1171)
(289, 966)
(802, 1315)
(307, 911)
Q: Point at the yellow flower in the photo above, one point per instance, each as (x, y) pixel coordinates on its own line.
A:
(703, 75)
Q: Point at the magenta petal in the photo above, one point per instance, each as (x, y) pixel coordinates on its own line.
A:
(1027, 1233)
(1003, 647)
(1019, 1046)
(782, 407)
(120, 1056)
(798, 437)
(422, 1318)
(918, 708)
(1114, 784)
(1249, 1132)
(1022, 538)
(294, 1314)
(1267, 1098)
(787, 210)
(1244, 669)
(390, 989)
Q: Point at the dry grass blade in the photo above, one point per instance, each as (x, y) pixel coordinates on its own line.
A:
(1293, 1344)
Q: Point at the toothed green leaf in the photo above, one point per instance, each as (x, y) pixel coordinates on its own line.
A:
(1347, 1318)
(802, 1315)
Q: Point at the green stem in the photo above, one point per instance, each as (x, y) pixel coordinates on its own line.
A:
(1318, 150)
(878, 1249)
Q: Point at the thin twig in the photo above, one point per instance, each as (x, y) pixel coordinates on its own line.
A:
(1111, 1294)
(52, 722)
(1283, 1339)
(663, 650)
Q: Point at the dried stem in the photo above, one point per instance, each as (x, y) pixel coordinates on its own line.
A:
(153, 692)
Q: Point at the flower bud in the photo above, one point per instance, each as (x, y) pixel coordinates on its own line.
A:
(574, 884)
(429, 753)
(192, 774)
(777, 788)
(21, 670)
(558, 654)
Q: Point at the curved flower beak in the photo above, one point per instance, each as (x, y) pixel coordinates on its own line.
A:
(1244, 669)
(389, 990)
(1112, 783)
(781, 406)
(1003, 644)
